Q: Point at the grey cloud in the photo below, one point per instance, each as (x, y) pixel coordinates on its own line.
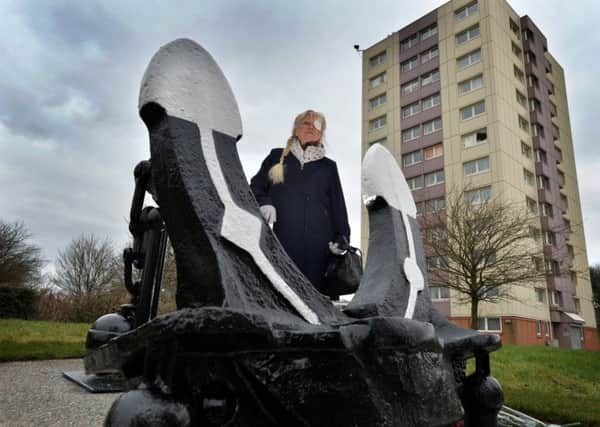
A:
(70, 82)
(72, 136)
(60, 193)
(65, 24)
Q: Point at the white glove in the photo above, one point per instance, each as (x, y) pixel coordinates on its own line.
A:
(335, 249)
(269, 213)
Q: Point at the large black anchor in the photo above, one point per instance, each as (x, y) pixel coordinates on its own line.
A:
(252, 342)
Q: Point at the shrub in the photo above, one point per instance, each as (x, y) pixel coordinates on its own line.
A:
(17, 303)
(69, 308)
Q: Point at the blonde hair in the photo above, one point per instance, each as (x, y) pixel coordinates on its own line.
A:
(276, 173)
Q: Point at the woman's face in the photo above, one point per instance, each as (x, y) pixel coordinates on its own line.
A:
(309, 130)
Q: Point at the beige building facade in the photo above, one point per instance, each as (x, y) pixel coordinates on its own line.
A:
(468, 96)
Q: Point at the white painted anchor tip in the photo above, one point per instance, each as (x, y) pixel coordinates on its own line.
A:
(184, 79)
(382, 177)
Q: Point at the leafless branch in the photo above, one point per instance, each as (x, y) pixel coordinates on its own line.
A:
(87, 266)
(20, 261)
(487, 248)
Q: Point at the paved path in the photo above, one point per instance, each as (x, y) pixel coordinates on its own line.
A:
(36, 394)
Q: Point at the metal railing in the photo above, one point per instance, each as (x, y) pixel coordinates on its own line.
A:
(512, 418)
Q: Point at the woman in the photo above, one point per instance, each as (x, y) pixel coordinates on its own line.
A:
(298, 189)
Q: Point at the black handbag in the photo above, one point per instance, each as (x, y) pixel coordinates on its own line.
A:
(343, 272)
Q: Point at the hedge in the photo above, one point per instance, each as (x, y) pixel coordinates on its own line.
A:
(17, 303)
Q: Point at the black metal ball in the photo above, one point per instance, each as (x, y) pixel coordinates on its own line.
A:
(105, 328)
(146, 408)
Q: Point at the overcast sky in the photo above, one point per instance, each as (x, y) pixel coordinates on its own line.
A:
(70, 72)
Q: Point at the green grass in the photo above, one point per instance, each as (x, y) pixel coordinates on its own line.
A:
(552, 384)
(37, 340)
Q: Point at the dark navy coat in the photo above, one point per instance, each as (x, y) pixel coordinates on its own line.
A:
(311, 211)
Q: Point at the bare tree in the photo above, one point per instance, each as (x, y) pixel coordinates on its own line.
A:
(87, 267)
(595, 279)
(20, 261)
(481, 249)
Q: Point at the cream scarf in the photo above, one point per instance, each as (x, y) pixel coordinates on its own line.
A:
(310, 154)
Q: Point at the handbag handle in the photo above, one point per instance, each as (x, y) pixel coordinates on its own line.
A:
(354, 250)
(343, 244)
